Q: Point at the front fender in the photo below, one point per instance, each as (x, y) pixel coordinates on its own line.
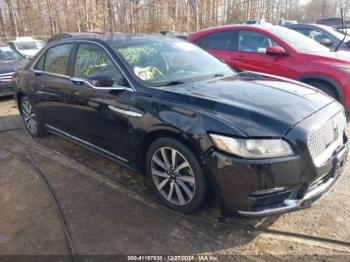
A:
(164, 117)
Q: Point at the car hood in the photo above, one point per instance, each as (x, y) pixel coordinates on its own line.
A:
(11, 65)
(339, 56)
(258, 105)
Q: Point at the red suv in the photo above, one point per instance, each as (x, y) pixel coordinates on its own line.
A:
(279, 51)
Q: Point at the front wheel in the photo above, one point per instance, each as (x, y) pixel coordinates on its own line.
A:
(30, 118)
(175, 175)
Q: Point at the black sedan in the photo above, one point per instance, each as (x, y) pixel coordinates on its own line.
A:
(165, 107)
(323, 34)
(10, 61)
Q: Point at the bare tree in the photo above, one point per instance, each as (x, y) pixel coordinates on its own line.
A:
(46, 17)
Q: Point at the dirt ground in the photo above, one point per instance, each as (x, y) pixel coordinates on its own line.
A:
(109, 210)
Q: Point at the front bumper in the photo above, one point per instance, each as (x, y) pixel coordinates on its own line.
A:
(6, 88)
(255, 188)
(313, 194)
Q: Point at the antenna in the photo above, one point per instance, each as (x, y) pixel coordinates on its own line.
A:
(343, 29)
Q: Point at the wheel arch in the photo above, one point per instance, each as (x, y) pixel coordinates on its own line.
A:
(159, 133)
(330, 81)
(212, 186)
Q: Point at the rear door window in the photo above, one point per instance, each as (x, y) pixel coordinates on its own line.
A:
(222, 40)
(55, 60)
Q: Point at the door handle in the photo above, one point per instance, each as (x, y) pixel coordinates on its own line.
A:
(77, 80)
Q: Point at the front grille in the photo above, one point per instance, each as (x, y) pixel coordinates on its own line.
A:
(6, 77)
(330, 135)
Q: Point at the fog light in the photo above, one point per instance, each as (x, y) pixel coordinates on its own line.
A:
(268, 191)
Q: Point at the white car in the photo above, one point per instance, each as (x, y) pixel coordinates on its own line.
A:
(288, 22)
(26, 46)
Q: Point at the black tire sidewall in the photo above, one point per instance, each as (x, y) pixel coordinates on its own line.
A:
(40, 131)
(200, 181)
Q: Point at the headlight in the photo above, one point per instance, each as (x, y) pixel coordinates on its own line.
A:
(252, 148)
(343, 68)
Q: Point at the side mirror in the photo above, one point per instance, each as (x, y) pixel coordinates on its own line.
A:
(276, 51)
(326, 42)
(100, 80)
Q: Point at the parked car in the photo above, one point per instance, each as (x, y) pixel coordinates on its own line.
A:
(279, 51)
(323, 34)
(287, 22)
(334, 22)
(344, 30)
(26, 46)
(165, 107)
(10, 61)
(259, 21)
(174, 34)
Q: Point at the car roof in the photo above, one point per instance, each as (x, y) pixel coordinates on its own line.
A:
(61, 36)
(263, 27)
(117, 39)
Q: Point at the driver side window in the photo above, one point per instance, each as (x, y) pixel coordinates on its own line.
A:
(250, 41)
(92, 60)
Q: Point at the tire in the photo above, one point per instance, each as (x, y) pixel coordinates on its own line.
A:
(182, 190)
(31, 119)
(325, 87)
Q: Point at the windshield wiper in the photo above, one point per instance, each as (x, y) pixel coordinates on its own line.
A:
(173, 83)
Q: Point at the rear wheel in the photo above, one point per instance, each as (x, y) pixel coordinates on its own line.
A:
(175, 175)
(325, 87)
(30, 118)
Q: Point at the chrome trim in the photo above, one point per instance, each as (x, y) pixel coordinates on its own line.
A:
(83, 41)
(38, 71)
(7, 74)
(49, 73)
(339, 119)
(77, 79)
(292, 204)
(125, 112)
(295, 204)
(86, 143)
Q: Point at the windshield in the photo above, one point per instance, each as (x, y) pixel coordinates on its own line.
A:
(6, 53)
(160, 63)
(27, 45)
(298, 41)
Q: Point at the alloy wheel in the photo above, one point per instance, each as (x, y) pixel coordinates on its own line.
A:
(173, 176)
(29, 117)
